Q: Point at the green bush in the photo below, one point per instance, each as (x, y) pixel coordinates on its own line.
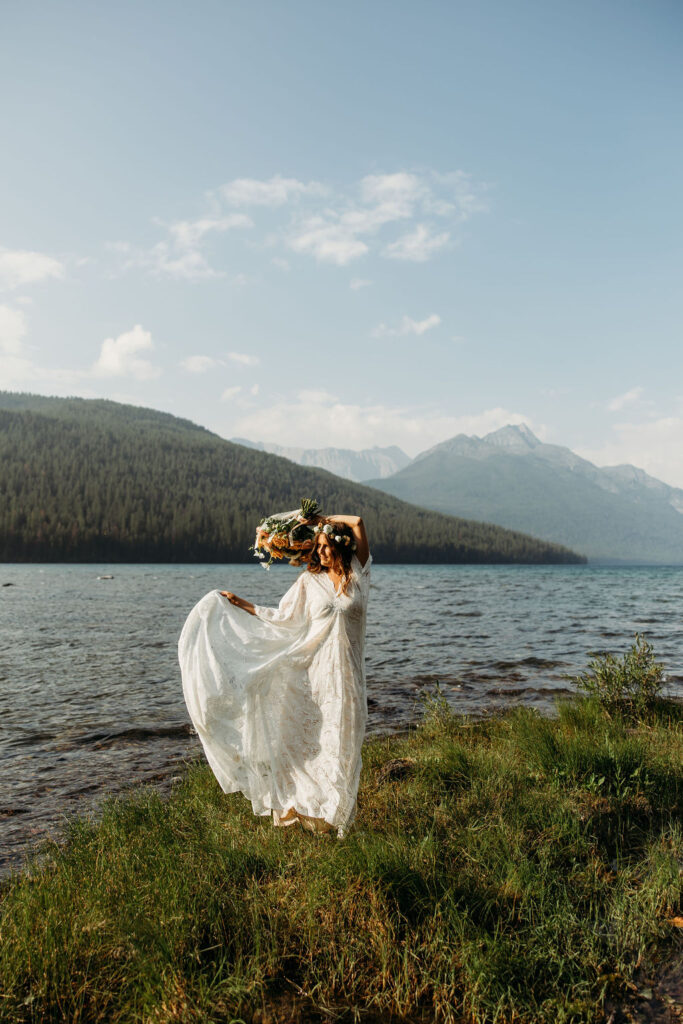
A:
(630, 685)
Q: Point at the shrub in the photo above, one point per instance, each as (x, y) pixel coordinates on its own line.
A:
(630, 685)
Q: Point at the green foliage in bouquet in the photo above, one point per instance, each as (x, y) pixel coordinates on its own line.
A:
(287, 535)
(309, 508)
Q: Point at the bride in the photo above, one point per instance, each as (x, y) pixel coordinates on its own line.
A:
(277, 695)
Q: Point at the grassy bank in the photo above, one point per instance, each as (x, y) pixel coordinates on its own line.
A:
(517, 869)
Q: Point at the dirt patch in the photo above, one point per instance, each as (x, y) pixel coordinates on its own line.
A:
(658, 998)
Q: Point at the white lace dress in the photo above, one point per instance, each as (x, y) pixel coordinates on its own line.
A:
(278, 699)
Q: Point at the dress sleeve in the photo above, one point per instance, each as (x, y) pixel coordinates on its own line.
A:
(291, 612)
(362, 574)
(363, 570)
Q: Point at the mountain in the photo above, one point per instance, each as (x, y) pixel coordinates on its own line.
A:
(633, 482)
(92, 481)
(511, 478)
(359, 466)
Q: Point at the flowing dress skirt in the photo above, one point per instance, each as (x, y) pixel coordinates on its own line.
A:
(278, 699)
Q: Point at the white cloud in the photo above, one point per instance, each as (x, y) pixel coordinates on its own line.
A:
(17, 368)
(356, 283)
(191, 265)
(120, 356)
(316, 419)
(655, 446)
(19, 267)
(627, 398)
(346, 228)
(241, 397)
(180, 255)
(317, 397)
(334, 226)
(163, 260)
(399, 191)
(271, 192)
(461, 197)
(187, 234)
(12, 330)
(420, 326)
(243, 358)
(417, 245)
(198, 364)
(334, 235)
(328, 241)
(407, 326)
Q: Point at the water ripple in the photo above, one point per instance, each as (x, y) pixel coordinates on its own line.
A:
(90, 693)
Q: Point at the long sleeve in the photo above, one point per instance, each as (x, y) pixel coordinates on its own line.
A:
(291, 612)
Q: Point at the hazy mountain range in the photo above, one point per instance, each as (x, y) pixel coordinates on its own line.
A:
(368, 464)
(512, 479)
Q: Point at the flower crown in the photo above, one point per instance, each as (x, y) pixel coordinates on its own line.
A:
(338, 538)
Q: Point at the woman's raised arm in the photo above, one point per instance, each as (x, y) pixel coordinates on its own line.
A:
(360, 536)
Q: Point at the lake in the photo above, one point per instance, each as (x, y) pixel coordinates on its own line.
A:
(90, 692)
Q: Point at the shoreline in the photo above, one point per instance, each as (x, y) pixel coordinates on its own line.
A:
(34, 830)
(589, 563)
(479, 850)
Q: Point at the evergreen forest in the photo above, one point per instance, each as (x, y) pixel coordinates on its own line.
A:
(88, 480)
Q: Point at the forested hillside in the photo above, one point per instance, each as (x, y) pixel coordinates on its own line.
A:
(91, 480)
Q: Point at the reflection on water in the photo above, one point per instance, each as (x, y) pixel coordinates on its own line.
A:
(90, 694)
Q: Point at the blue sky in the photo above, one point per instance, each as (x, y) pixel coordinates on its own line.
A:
(357, 224)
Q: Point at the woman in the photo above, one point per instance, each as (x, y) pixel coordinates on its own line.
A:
(277, 695)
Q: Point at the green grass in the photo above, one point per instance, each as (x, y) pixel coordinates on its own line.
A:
(520, 872)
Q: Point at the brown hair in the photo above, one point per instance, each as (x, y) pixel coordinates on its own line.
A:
(343, 553)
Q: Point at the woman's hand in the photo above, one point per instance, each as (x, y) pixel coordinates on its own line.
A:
(239, 602)
(313, 521)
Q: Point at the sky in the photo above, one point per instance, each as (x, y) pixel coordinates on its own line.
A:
(351, 224)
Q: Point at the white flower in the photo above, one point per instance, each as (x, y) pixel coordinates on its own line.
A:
(337, 538)
(327, 528)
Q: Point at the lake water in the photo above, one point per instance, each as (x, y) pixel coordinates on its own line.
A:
(90, 691)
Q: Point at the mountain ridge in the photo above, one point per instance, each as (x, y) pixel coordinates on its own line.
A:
(346, 462)
(91, 480)
(512, 478)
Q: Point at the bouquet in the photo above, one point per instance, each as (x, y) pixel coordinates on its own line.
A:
(287, 535)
